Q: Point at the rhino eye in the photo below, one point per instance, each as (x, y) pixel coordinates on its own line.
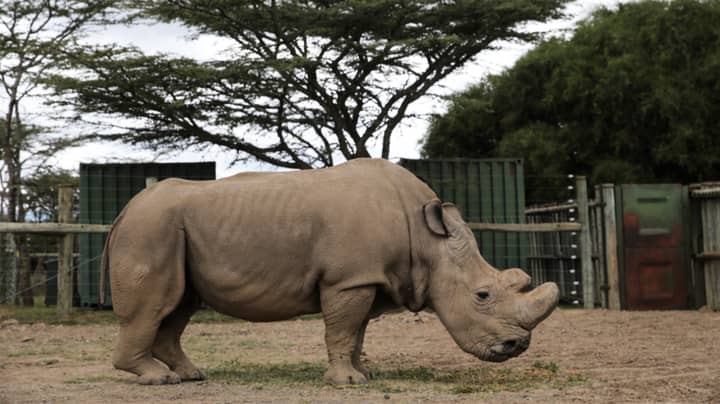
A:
(482, 295)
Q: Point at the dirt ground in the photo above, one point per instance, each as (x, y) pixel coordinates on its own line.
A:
(575, 356)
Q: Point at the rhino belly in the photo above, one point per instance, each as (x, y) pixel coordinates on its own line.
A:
(259, 290)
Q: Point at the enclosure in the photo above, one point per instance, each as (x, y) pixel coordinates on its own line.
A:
(576, 356)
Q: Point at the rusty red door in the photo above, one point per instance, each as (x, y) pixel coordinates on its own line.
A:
(654, 247)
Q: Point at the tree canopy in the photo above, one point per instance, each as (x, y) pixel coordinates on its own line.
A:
(35, 36)
(304, 83)
(632, 96)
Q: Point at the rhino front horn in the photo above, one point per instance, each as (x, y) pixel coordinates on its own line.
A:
(537, 304)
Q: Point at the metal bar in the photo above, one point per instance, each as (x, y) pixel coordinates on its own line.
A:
(706, 192)
(56, 228)
(524, 227)
(550, 208)
(710, 255)
(557, 207)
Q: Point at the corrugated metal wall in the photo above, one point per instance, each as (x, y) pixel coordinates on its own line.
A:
(485, 190)
(104, 190)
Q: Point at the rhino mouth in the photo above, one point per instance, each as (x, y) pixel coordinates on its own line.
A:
(503, 350)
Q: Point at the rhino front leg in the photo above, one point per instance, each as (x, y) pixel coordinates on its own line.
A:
(345, 313)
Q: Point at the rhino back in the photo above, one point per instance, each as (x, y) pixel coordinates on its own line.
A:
(259, 245)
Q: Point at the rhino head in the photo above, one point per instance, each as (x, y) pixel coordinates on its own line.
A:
(489, 313)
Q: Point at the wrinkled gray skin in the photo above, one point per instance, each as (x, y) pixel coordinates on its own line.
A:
(352, 242)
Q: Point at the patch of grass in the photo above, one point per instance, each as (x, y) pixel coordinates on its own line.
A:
(92, 379)
(84, 356)
(289, 374)
(48, 315)
(416, 374)
(30, 352)
(397, 380)
(212, 316)
(551, 366)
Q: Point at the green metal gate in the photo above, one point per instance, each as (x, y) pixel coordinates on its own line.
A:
(485, 190)
(105, 189)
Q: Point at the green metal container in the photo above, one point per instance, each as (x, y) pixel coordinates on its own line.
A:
(105, 189)
(487, 191)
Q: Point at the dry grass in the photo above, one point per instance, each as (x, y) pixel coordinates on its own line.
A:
(399, 379)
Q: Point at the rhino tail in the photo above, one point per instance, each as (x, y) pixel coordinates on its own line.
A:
(105, 261)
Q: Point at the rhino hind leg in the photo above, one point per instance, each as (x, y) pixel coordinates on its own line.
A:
(346, 314)
(145, 292)
(357, 352)
(133, 354)
(166, 347)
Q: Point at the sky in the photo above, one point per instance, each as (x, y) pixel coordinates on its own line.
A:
(175, 39)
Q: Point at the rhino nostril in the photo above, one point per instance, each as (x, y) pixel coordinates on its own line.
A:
(509, 345)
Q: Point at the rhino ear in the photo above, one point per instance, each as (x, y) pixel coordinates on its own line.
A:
(433, 211)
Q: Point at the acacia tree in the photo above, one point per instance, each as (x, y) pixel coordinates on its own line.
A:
(631, 96)
(34, 35)
(305, 82)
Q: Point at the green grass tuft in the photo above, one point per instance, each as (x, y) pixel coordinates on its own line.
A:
(93, 379)
(48, 315)
(551, 366)
(397, 380)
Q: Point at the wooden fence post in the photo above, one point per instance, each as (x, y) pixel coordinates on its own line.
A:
(65, 253)
(611, 246)
(598, 238)
(588, 276)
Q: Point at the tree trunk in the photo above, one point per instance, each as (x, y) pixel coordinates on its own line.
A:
(11, 158)
(361, 151)
(24, 263)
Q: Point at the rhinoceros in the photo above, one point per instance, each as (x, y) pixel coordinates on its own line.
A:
(351, 241)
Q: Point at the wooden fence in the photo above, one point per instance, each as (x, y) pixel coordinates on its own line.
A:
(706, 198)
(573, 244)
(67, 230)
(558, 256)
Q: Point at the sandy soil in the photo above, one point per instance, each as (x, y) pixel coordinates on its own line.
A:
(619, 357)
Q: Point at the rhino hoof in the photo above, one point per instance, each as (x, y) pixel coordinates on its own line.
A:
(345, 377)
(156, 380)
(191, 375)
(367, 373)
